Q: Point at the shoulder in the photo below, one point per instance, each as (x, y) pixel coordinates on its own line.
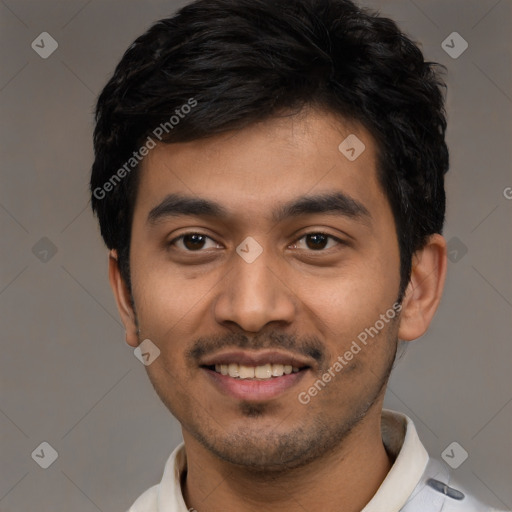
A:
(438, 490)
(147, 501)
(165, 495)
(458, 498)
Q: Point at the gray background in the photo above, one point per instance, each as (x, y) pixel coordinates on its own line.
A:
(66, 375)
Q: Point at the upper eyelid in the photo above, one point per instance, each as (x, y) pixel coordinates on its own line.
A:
(172, 242)
(318, 232)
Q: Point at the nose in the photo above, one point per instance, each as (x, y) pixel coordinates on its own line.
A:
(253, 295)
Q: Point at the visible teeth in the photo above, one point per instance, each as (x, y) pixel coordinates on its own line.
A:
(233, 370)
(277, 370)
(265, 371)
(246, 372)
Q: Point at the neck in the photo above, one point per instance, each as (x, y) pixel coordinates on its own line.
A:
(346, 479)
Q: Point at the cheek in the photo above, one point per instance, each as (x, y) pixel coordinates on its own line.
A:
(167, 298)
(352, 299)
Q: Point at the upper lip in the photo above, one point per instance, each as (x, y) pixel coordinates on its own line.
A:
(256, 358)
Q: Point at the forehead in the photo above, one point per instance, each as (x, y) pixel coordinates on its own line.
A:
(266, 163)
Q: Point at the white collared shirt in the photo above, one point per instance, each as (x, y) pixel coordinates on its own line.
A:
(415, 483)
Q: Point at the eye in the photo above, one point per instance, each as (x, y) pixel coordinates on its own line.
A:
(317, 241)
(192, 242)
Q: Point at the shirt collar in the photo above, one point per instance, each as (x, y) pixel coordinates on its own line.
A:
(400, 440)
(402, 443)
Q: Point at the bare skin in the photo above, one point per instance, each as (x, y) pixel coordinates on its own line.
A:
(306, 297)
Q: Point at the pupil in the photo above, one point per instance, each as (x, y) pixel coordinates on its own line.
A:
(195, 239)
(316, 237)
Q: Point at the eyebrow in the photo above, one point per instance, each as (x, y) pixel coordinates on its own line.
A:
(336, 203)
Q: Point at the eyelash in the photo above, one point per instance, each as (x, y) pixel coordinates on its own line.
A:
(338, 240)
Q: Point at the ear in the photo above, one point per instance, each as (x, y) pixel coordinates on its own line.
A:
(425, 288)
(122, 296)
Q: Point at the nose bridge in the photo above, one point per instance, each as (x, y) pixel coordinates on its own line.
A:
(254, 280)
(253, 294)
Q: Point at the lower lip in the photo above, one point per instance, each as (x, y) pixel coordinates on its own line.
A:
(253, 389)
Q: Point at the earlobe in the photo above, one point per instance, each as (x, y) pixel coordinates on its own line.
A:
(425, 288)
(123, 299)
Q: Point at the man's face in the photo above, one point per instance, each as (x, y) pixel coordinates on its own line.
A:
(266, 286)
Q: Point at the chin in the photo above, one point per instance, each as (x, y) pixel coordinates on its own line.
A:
(265, 450)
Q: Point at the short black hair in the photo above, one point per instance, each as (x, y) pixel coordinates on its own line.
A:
(238, 62)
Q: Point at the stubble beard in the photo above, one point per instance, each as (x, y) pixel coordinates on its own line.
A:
(269, 453)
